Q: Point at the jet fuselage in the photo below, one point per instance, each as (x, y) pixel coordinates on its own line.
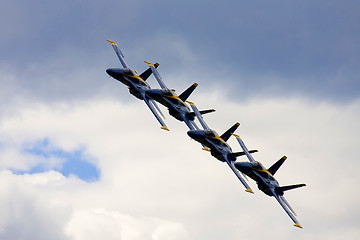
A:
(177, 108)
(209, 138)
(255, 170)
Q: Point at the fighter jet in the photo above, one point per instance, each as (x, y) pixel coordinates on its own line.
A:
(217, 144)
(136, 83)
(175, 104)
(266, 181)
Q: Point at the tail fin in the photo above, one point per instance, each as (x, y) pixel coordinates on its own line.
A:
(184, 96)
(277, 165)
(226, 135)
(145, 75)
(281, 190)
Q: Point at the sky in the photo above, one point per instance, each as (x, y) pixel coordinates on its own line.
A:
(81, 158)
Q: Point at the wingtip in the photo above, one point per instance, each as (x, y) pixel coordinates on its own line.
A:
(149, 63)
(206, 149)
(195, 84)
(298, 225)
(112, 42)
(191, 103)
(249, 190)
(235, 135)
(165, 128)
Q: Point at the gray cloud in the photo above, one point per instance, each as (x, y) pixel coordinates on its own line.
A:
(300, 48)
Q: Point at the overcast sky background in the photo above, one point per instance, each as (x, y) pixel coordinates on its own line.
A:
(80, 158)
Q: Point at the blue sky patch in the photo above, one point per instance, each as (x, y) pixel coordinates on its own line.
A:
(75, 162)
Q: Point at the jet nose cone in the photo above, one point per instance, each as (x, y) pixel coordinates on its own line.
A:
(110, 71)
(193, 134)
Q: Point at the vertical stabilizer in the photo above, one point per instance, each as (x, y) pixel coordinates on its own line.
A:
(184, 96)
(277, 165)
(226, 135)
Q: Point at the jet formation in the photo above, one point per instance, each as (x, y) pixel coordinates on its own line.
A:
(211, 141)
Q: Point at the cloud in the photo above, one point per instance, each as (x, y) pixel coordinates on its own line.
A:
(155, 184)
(26, 210)
(288, 73)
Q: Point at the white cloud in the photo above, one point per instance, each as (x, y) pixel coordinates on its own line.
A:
(160, 185)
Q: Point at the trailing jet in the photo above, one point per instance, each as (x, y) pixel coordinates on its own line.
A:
(217, 144)
(266, 181)
(175, 104)
(136, 83)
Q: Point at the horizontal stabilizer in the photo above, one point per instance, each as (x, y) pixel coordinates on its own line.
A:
(226, 135)
(277, 165)
(207, 111)
(191, 115)
(184, 96)
(286, 188)
(145, 75)
(238, 154)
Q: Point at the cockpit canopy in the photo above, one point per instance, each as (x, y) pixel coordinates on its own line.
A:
(257, 165)
(211, 133)
(167, 92)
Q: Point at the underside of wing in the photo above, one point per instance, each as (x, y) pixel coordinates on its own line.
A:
(151, 103)
(191, 124)
(198, 115)
(119, 54)
(242, 180)
(157, 75)
(146, 74)
(246, 151)
(286, 206)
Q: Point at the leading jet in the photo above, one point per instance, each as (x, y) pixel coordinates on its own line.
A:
(175, 104)
(217, 144)
(136, 83)
(266, 181)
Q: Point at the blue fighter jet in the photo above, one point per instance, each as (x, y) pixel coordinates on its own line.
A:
(136, 83)
(217, 144)
(175, 104)
(266, 181)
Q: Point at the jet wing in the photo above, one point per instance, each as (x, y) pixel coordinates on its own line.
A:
(198, 115)
(231, 165)
(119, 54)
(151, 103)
(157, 75)
(285, 205)
(246, 151)
(191, 124)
